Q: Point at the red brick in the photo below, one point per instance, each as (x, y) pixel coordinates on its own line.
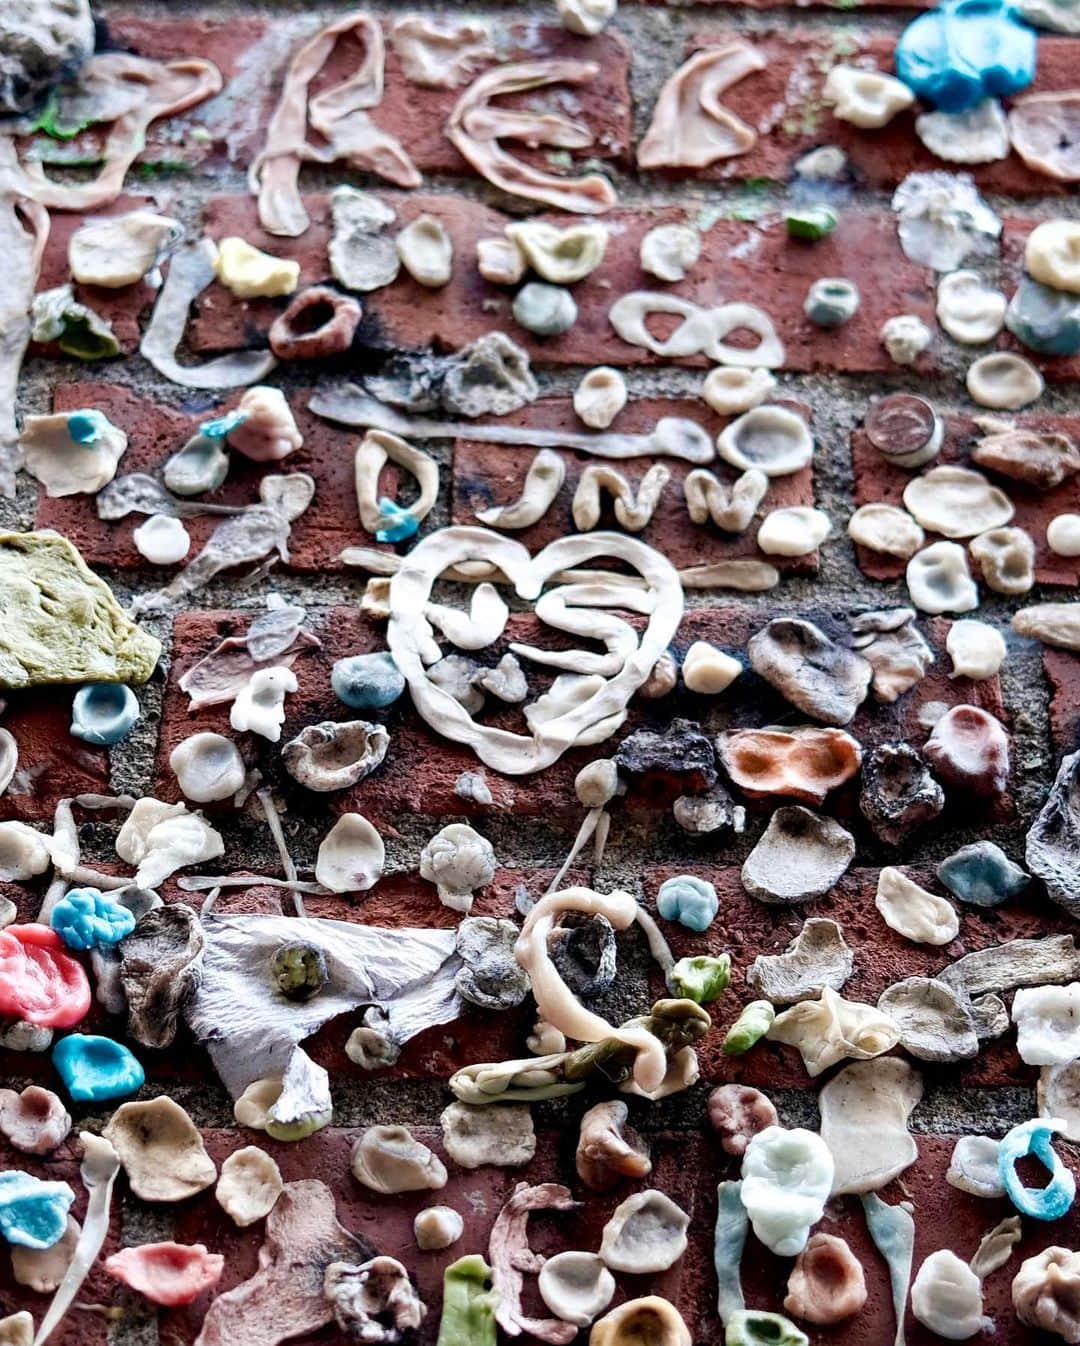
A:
(421, 768)
(402, 901)
(156, 431)
(944, 1218)
(784, 103)
(1063, 674)
(749, 701)
(878, 480)
(746, 928)
(687, 1166)
(52, 764)
(484, 477)
(740, 260)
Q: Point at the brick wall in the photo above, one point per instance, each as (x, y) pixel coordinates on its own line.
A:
(746, 255)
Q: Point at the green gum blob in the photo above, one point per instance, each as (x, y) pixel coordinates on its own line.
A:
(87, 338)
(298, 970)
(811, 222)
(48, 122)
(751, 1025)
(700, 979)
(469, 1300)
(303, 1127)
(756, 1328)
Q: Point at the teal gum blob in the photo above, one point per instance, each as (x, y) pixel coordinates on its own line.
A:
(1044, 319)
(732, 1227)
(33, 1213)
(367, 681)
(87, 918)
(965, 51)
(399, 523)
(831, 302)
(104, 713)
(95, 1069)
(689, 900)
(1040, 1203)
(982, 874)
(221, 426)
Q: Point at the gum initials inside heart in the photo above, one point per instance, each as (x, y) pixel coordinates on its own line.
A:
(588, 710)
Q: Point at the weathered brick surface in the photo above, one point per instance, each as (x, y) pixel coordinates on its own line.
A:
(1063, 675)
(878, 480)
(784, 103)
(687, 1166)
(252, 53)
(156, 431)
(746, 928)
(484, 477)
(386, 1222)
(944, 1218)
(741, 260)
(53, 765)
(421, 768)
(414, 778)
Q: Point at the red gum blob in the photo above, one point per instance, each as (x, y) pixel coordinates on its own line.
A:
(39, 981)
(167, 1273)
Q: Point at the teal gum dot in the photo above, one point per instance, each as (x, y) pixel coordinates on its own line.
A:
(399, 523)
(84, 427)
(221, 426)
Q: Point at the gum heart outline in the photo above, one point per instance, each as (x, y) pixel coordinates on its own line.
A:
(502, 749)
